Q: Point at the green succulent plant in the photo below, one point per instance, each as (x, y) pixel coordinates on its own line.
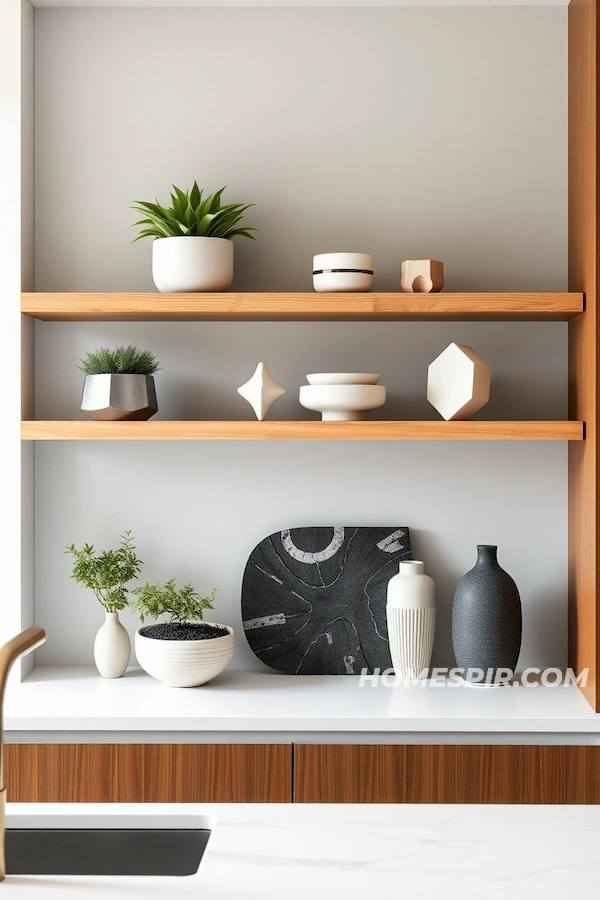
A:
(183, 605)
(120, 361)
(192, 215)
(106, 572)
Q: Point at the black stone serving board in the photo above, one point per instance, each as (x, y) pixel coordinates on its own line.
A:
(313, 598)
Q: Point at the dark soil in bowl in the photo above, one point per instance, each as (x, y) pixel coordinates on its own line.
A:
(197, 631)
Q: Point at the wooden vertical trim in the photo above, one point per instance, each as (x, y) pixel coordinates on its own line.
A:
(584, 635)
(446, 774)
(149, 773)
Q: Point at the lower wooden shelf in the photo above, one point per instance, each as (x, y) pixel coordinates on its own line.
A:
(86, 430)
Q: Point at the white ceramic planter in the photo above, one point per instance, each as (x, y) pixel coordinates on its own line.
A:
(411, 620)
(190, 264)
(112, 647)
(184, 663)
(342, 272)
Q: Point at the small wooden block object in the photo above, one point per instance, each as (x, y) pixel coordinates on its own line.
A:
(422, 276)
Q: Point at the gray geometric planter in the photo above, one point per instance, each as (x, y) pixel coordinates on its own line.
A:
(119, 397)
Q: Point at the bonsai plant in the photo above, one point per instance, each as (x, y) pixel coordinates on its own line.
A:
(119, 384)
(106, 573)
(192, 250)
(182, 651)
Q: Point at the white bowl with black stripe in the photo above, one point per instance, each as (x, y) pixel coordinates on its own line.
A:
(342, 272)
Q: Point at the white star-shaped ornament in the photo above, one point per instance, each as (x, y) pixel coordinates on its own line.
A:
(261, 391)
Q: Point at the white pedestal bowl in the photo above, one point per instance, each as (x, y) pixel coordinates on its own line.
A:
(342, 396)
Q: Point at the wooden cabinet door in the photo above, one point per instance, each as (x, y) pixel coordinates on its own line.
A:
(149, 773)
(445, 774)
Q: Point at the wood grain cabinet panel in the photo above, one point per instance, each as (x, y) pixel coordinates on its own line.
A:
(446, 774)
(149, 773)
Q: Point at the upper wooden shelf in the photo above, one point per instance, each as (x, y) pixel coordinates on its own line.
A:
(99, 307)
(373, 430)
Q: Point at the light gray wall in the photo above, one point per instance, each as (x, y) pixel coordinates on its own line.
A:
(403, 132)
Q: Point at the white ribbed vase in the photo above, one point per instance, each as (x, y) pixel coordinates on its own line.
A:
(112, 647)
(184, 663)
(411, 620)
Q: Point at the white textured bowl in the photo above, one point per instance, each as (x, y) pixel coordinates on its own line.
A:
(343, 378)
(342, 402)
(184, 663)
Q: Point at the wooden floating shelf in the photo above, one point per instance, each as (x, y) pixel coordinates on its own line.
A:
(275, 307)
(87, 430)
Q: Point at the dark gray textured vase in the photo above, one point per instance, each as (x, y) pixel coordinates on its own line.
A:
(486, 621)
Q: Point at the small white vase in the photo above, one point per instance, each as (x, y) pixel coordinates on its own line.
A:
(192, 263)
(112, 647)
(411, 620)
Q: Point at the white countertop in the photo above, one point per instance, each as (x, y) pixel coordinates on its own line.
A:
(270, 852)
(78, 700)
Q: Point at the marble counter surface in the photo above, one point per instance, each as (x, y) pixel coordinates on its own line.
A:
(276, 852)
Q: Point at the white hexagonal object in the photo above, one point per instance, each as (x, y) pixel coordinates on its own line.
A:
(458, 382)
